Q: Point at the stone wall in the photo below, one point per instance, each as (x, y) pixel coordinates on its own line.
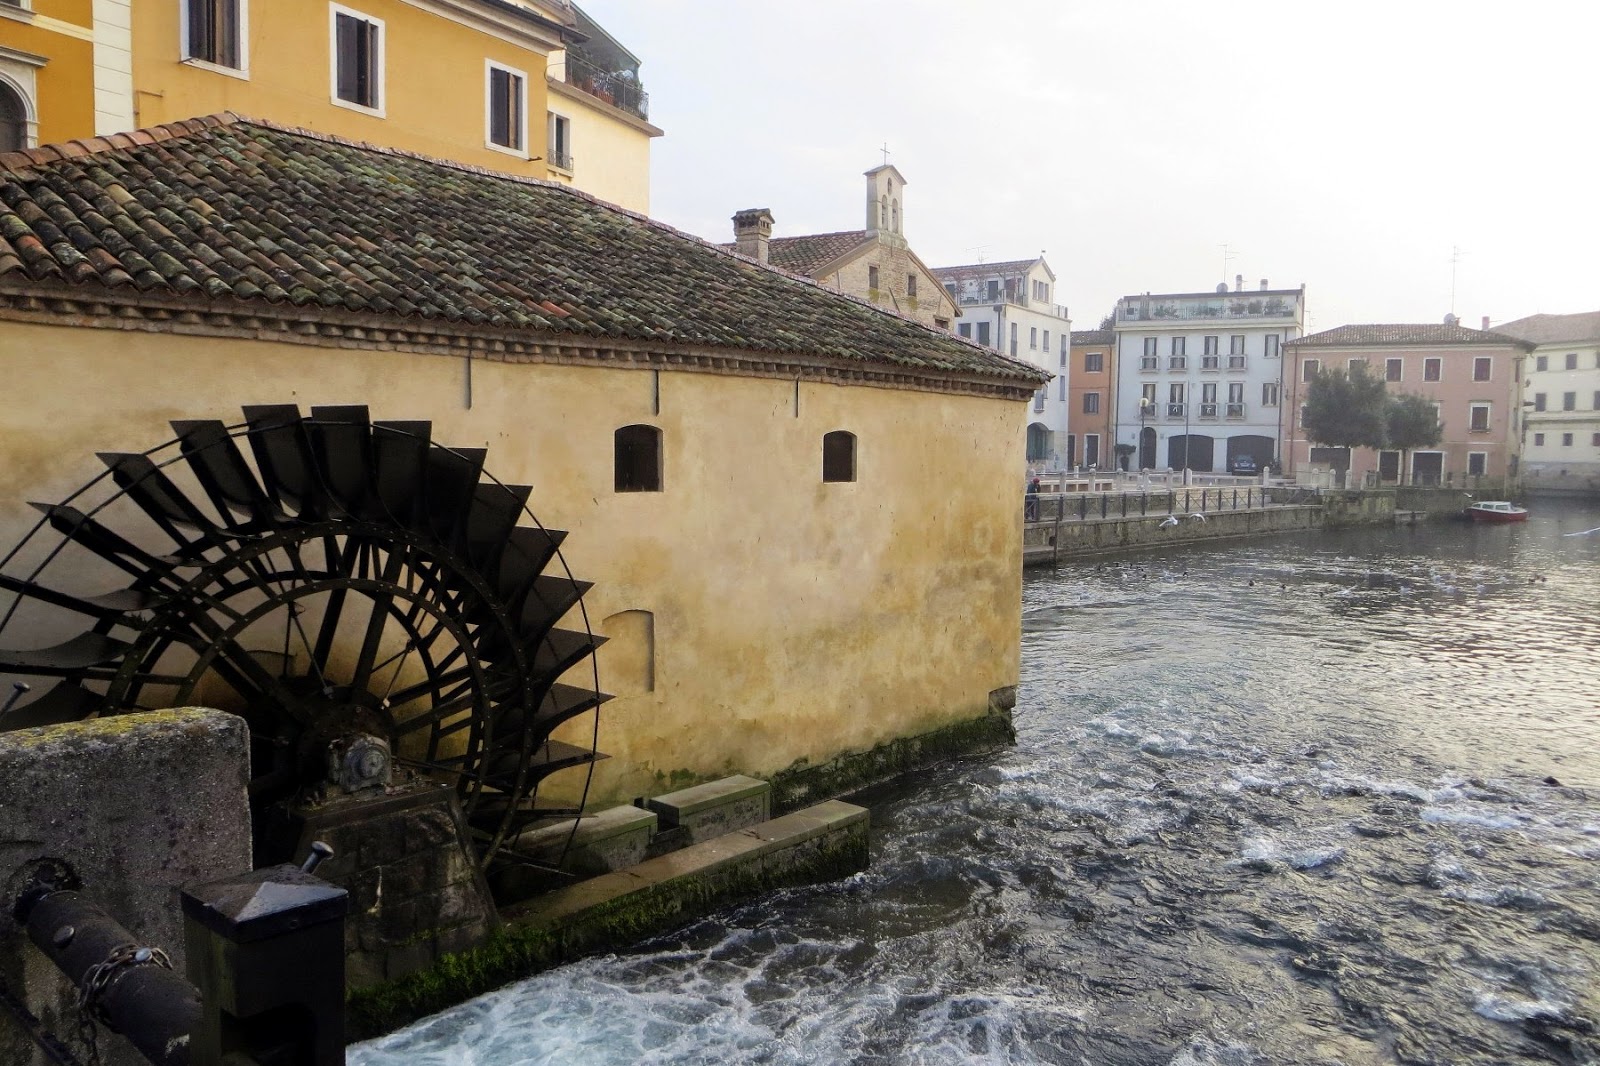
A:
(138, 806)
(1096, 535)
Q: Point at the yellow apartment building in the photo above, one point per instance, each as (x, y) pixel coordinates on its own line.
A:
(528, 87)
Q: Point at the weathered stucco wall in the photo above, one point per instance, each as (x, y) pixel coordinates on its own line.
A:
(137, 806)
(791, 620)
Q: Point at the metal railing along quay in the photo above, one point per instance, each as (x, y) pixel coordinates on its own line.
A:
(1085, 506)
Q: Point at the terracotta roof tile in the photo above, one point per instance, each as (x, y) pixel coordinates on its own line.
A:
(1093, 336)
(804, 255)
(1402, 333)
(1554, 329)
(229, 209)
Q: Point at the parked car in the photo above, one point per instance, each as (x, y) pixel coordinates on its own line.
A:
(1243, 464)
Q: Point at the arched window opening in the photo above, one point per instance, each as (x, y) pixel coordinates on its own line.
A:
(894, 216)
(638, 465)
(13, 120)
(628, 658)
(839, 456)
(883, 212)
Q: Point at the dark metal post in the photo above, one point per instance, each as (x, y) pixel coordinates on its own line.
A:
(267, 950)
(1105, 504)
(1144, 503)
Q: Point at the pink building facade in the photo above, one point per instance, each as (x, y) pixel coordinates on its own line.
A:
(1474, 378)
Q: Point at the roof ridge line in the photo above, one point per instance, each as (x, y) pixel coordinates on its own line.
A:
(110, 142)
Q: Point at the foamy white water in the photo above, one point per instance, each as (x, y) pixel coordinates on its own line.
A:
(1353, 819)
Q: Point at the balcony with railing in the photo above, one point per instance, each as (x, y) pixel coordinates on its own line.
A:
(620, 88)
(1174, 410)
(1149, 363)
(1208, 410)
(1225, 306)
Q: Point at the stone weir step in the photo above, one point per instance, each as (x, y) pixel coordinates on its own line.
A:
(613, 910)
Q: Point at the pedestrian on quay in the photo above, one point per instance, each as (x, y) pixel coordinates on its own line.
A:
(1030, 511)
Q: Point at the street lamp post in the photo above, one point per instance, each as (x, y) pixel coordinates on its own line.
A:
(1146, 405)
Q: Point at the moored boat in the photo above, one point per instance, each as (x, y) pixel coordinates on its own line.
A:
(1496, 511)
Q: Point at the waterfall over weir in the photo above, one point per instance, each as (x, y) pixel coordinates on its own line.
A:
(1331, 798)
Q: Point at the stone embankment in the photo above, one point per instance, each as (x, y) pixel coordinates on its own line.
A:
(1071, 527)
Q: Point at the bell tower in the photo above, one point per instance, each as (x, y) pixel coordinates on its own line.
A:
(886, 203)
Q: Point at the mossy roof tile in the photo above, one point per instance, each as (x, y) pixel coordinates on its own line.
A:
(235, 209)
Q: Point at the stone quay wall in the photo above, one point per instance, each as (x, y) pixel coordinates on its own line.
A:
(137, 805)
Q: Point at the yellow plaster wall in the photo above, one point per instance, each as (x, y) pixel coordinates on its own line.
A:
(610, 158)
(65, 85)
(792, 619)
(433, 90)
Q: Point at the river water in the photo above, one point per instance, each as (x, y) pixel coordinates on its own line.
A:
(1331, 798)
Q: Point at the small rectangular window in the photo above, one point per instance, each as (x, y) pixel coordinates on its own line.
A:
(872, 277)
(1542, 363)
(983, 334)
(1091, 403)
(1596, 404)
(1477, 463)
(1033, 337)
(1094, 363)
(1309, 368)
(1539, 401)
(1209, 346)
(1236, 344)
(1572, 360)
(1180, 345)
(1566, 440)
(964, 329)
(1569, 401)
(1045, 343)
(1272, 345)
(1392, 369)
(1480, 368)
(1479, 418)
(357, 59)
(638, 459)
(558, 152)
(1430, 369)
(1061, 388)
(1269, 394)
(1356, 366)
(507, 106)
(1150, 346)
(213, 32)
(1595, 440)
(911, 284)
(1538, 439)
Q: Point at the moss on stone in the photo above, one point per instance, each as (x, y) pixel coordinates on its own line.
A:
(802, 784)
(524, 947)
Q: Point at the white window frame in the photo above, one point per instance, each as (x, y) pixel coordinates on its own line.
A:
(1480, 455)
(381, 111)
(242, 71)
(1488, 416)
(1270, 393)
(17, 72)
(489, 67)
(550, 121)
(22, 10)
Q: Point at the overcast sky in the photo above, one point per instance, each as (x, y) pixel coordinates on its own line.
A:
(1348, 145)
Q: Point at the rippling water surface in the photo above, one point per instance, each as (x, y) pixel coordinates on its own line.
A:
(1321, 799)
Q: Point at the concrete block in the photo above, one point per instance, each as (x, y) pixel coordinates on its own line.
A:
(606, 841)
(138, 805)
(713, 809)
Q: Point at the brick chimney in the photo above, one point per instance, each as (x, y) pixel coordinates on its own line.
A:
(1263, 284)
(752, 229)
(1238, 283)
(1486, 323)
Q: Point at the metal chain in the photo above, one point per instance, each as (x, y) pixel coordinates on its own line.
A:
(98, 979)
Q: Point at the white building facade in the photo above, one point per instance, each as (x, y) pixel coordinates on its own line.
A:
(1200, 378)
(1561, 394)
(1011, 308)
